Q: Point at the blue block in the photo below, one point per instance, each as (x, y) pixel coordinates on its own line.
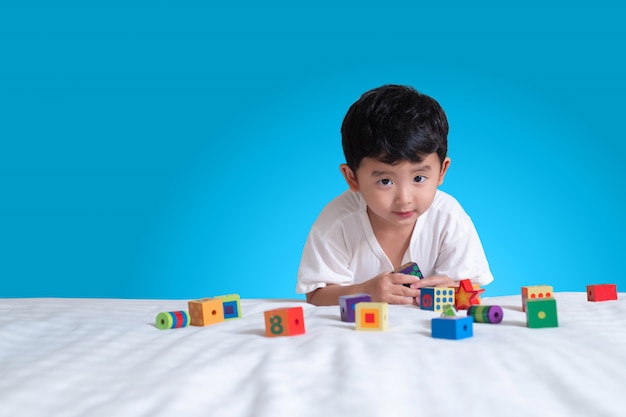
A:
(435, 298)
(347, 305)
(452, 327)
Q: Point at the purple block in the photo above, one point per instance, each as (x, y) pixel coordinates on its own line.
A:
(347, 305)
(410, 269)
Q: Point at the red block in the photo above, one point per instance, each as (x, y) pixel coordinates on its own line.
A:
(601, 292)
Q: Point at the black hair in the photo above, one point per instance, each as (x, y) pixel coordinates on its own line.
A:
(394, 123)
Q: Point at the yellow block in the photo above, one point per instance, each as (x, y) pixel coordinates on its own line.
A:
(532, 292)
(371, 316)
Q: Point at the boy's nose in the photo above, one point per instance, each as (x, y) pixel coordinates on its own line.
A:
(403, 196)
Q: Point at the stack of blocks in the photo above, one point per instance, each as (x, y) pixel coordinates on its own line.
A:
(284, 322)
(540, 306)
(601, 292)
(435, 298)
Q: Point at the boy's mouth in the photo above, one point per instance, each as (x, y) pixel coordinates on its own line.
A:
(403, 214)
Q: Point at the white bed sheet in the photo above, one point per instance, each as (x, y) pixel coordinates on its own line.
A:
(105, 357)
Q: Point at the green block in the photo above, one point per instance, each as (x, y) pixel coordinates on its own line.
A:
(541, 313)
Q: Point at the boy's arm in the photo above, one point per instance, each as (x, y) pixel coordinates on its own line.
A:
(387, 287)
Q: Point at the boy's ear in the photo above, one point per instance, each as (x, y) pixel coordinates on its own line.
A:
(444, 168)
(350, 177)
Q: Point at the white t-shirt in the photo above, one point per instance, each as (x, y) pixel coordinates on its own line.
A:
(341, 247)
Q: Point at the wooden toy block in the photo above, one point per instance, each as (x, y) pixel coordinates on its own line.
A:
(601, 292)
(486, 314)
(371, 316)
(530, 292)
(347, 305)
(466, 295)
(284, 322)
(435, 298)
(452, 327)
(232, 306)
(541, 313)
(172, 320)
(410, 268)
(206, 311)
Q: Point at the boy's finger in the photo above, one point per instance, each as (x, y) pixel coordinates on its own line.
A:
(403, 300)
(404, 279)
(410, 292)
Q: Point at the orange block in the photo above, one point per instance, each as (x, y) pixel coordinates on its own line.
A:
(284, 322)
(206, 311)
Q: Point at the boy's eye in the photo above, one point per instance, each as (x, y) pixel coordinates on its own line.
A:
(419, 178)
(385, 181)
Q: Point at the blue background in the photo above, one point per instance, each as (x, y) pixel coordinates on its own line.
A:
(155, 149)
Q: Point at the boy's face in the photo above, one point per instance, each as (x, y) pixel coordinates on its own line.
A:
(396, 195)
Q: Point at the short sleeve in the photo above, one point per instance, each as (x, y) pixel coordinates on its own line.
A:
(461, 254)
(324, 261)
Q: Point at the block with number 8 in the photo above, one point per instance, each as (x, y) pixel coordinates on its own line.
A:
(284, 322)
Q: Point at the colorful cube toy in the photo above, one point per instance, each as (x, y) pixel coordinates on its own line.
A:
(206, 311)
(284, 322)
(601, 292)
(347, 304)
(371, 316)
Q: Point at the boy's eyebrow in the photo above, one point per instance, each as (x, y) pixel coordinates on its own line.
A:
(424, 168)
(380, 173)
(377, 173)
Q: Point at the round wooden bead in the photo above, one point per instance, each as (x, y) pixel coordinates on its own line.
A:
(486, 314)
(172, 319)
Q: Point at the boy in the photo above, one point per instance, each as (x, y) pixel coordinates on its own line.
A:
(395, 141)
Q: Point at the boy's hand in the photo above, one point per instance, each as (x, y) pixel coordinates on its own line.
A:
(435, 281)
(432, 281)
(388, 288)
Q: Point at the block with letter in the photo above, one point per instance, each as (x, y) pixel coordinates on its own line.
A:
(371, 316)
(347, 304)
(435, 298)
(452, 327)
(465, 295)
(541, 312)
(206, 311)
(284, 322)
(232, 306)
(531, 292)
(601, 292)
